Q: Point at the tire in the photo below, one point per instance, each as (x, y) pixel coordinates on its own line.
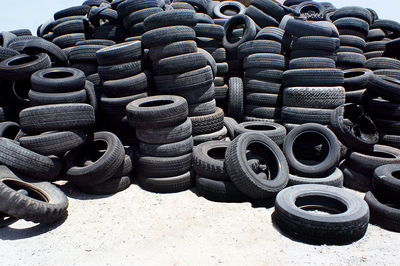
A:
(314, 97)
(58, 80)
(40, 119)
(353, 41)
(7, 53)
(269, 75)
(166, 134)
(235, 98)
(335, 179)
(351, 23)
(349, 49)
(9, 130)
(199, 95)
(385, 126)
(316, 43)
(350, 223)
(182, 17)
(387, 25)
(208, 160)
(390, 140)
(117, 106)
(383, 214)
(219, 191)
(317, 167)
(68, 27)
(21, 67)
(248, 34)
(127, 86)
(40, 98)
(260, 18)
(157, 111)
(260, 86)
(84, 53)
(205, 108)
(311, 62)
(96, 42)
(376, 46)
(262, 112)
(119, 53)
(230, 125)
(54, 143)
(300, 28)
(263, 99)
(37, 46)
(375, 35)
(27, 162)
(300, 115)
(211, 62)
(166, 35)
(259, 46)
(265, 60)
(356, 79)
(313, 77)
(209, 30)
(367, 163)
(312, 53)
(207, 123)
(167, 150)
(384, 109)
(127, 7)
(274, 131)
(355, 180)
(120, 71)
(237, 6)
(359, 133)
(199, 78)
(219, 54)
(382, 63)
(353, 11)
(217, 135)
(271, 34)
(171, 184)
(179, 64)
(103, 167)
(172, 49)
(385, 184)
(110, 186)
(256, 186)
(392, 73)
(45, 203)
(72, 11)
(271, 8)
(139, 16)
(384, 86)
(163, 167)
(350, 60)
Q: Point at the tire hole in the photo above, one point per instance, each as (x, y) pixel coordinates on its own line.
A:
(321, 205)
(310, 148)
(156, 103)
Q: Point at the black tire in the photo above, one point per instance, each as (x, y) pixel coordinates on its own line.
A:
(386, 126)
(182, 17)
(350, 49)
(216, 68)
(300, 28)
(37, 46)
(270, 33)
(385, 183)
(260, 18)
(384, 86)
(300, 115)
(44, 203)
(218, 9)
(311, 62)
(157, 111)
(128, 86)
(110, 186)
(392, 73)
(54, 143)
(171, 184)
(263, 99)
(72, 11)
(207, 123)
(162, 167)
(383, 109)
(139, 16)
(256, 186)
(209, 30)
(353, 41)
(259, 46)
(314, 97)
(319, 166)
(355, 180)
(353, 11)
(84, 53)
(350, 60)
(172, 49)
(167, 35)
(127, 7)
(117, 106)
(21, 67)
(269, 75)
(230, 124)
(58, 80)
(43, 98)
(262, 112)
(376, 46)
(219, 191)
(265, 60)
(387, 25)
(248, 34)
(69, 40)
(313, 77)
(316, 43)
(208, 160)
(235, 98)
(274, 131)
(382, 63)
(9, 130)
(167, 150)
(28, 163)
(217, 135)
(205, 108)
(356, 79)
(375, 35)
(358, 132)
(383, 214)
(271, 8)
(179, 64)
(105, 162)
(390, 140)
(334, 179)
(119, 54)
(260, 86)
(199, 95)
(368, 162)
(7, 53)
(103, 42)
(351, 214)
(219, 54)
(353, 24)
(68, 27)
(165, 134)
(40, 119)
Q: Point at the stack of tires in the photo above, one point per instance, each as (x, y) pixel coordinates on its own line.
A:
(105, 24)
(263, 64)
(68, 27)
(132, 14)
(179, 69)
(311, 94)
(165, 139)
(123, 80)
(353, 25)
(377, 37)
(83, 57)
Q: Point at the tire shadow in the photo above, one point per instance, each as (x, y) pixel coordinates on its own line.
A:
(73, 192)
(9, 233)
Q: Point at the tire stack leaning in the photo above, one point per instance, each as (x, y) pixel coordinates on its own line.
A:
(179, 69)
(164, 131)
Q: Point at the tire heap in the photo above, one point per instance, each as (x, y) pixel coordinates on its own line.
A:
(75, 106)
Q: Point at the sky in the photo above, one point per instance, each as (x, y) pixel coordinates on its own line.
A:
(18, 14)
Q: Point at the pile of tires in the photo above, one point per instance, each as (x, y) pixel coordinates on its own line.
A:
(114, 91)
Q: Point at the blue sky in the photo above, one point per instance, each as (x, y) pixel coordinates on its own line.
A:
(30, 14)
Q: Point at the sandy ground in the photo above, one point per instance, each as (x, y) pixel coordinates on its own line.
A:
(143, 228)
